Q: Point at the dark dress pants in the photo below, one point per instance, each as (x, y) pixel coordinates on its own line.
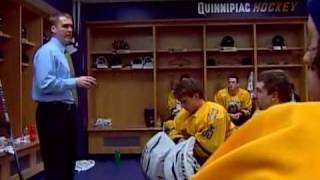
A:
(56, 129)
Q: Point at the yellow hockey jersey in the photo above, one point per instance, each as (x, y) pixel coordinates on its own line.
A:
(171, 101)
(281, 142)
(241, 102)
(208, 125)
(173, 105)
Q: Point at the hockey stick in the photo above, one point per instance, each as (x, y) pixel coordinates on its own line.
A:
(11, 139)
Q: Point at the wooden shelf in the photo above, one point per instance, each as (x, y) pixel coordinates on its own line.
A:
(27, 145)
(230, 67)
(178, 67)
(4, 35)
(282, 50)
(281, 66)
(116, 70)
(25, 64)
(22, 147)
(124, 51)
(229, 51)
(183, 50)
(97, 129)
(17, 77)
(26, 42)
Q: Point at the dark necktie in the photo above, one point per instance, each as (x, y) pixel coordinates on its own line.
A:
(74, 90)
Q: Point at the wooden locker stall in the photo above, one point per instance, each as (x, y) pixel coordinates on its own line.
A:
(20, 35)
(178, 47)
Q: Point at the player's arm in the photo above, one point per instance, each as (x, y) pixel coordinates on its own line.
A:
(246, 108)
(218, 98)
(174, 127)
(211, 137)
(171, 101)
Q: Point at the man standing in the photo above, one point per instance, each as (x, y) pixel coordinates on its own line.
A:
(52, 87)
(236, 100)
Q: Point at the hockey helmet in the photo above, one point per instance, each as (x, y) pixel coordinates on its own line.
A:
(101, 62)
(278, 41)
(227, 41)
(211, 62)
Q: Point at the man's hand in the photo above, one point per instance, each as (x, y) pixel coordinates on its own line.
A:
(86, 81)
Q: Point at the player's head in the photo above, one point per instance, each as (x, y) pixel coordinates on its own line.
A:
(233, 82)
(190, 93)
(62, 27)
(273, 87)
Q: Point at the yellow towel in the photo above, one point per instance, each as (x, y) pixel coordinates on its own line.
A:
(282, 142)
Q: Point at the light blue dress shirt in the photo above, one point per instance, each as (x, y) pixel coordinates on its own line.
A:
(51, 74)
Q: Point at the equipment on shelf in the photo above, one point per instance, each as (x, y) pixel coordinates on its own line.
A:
(211, 62)
(278, 42)
(147, 62)
(149, 117)
(115, 61)
(102, 62)
(137, 63)
(142, 63)
(103, 122)
(120, 44)
(227, 41)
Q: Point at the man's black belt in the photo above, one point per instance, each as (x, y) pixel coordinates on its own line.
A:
(57, 104)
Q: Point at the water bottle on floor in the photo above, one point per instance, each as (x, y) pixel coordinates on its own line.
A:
(117, 158)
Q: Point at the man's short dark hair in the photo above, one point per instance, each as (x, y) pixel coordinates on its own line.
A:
(188, 87)
(233, 76)
(54, 19)
(276, 81)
